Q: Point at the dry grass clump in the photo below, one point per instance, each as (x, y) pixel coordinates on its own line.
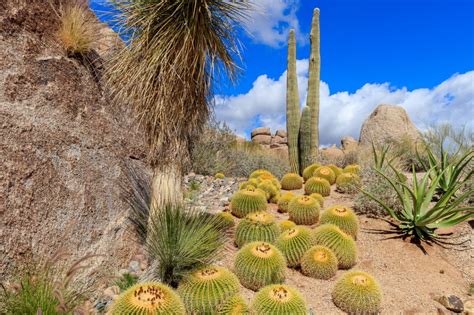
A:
(78, 31)
(45, 287)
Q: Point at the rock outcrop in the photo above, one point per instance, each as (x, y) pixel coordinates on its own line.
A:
(349, 144)
(277, 142)
(388, 123)
(63, 148)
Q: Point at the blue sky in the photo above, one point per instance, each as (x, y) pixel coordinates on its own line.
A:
(416, 53)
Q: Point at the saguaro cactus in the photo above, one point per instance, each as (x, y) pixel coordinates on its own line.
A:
(304, 139)
(312, 100)
(292, 105)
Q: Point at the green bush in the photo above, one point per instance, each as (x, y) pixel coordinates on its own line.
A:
(205, 289)
(126, 281)
(259, 264)
(279, 299)
(357, 292)
(148, 298)
(376, 185)
(181, 239)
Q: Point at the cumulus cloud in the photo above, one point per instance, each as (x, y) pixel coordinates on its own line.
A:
(342, 113)
(270, 21)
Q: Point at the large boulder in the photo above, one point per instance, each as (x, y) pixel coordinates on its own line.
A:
(63, 149)
(279, 140)
(262, 139)
(281, 133)
(264, 131)
(332, 153)
(388, 123)
(349, 144)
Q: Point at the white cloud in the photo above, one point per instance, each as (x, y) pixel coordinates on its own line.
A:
(270, 21)
(342, 113)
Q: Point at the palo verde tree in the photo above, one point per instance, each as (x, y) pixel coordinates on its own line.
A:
(176, 51)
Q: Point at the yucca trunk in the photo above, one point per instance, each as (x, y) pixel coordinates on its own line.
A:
(313, 83)
(167, 187)
(304, 139)
(292, 105)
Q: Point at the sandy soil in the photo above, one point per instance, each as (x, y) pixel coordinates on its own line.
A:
(410, 280)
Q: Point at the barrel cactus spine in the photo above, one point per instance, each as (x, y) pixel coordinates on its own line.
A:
(336, 169)
(259, 172)
(343, 245)
(319, 262)
(304, 210)
(227, 219)
(247, 201)
(352, 168)
(205, 289)
(308, 171)
(279, 299)
(259, 264)
(291, 181)
(286, 225)
(357, 292)
(269, 188)
(293, 243)
(319, 198)
(257, 226)
(348, 183)
(148, 298)
(343, 217)
(284, 200)
(326, 173)
(317, 185)
(234, 306)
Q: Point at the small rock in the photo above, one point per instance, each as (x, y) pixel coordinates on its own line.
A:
(452, 303)
(134, 266)
(102, 303)
(123, 271)
(112, 291)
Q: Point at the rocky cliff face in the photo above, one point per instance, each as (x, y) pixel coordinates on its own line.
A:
(63, 148)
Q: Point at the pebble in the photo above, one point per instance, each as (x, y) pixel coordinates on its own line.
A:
(134, 266)
(452, 303)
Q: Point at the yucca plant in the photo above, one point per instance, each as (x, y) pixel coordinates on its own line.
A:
(176, 52)
(181, 239)
(450, 168)
(419, 218)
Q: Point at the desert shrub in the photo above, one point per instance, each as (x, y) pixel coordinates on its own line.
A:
(78, 32)
(181, 239)
(448, 137)
(217, 150)
(44, 287)
(126, 281)
(376, 185)
(408, 153)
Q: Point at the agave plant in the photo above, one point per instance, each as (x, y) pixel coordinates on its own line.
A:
(451, 168)
(419, 217)
(380, 157)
